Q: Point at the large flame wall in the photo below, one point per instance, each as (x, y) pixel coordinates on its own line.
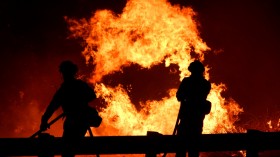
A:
(147, 33)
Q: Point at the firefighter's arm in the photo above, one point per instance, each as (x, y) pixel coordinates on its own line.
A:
(207, 89)
(92, 94)
(180, 92)
(54, 104)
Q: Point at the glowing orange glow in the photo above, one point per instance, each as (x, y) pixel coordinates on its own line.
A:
(147, 33)
(269, 124)
(273, 126)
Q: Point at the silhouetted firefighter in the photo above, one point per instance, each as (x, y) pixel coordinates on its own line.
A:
(192, 94)
(73, 96)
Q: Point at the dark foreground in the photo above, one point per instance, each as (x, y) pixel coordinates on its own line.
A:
(252, 142)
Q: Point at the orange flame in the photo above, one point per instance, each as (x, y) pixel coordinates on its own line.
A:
(147, 33)
(269, 124)
(273, 125)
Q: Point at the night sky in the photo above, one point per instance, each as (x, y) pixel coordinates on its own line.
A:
(243, 36)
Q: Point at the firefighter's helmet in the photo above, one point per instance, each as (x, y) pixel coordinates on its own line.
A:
(68, 68)
(196, 67)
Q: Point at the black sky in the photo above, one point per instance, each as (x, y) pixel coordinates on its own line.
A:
(243, 35)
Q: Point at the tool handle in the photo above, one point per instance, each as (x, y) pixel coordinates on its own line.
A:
(49, 124)
(91, 135)
(174, 131)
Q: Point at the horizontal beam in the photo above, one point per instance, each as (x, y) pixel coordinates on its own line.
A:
(141, 144)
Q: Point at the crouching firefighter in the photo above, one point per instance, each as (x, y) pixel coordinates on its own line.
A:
(192, 94)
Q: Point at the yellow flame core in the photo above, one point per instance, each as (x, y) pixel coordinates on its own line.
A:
(147, 33)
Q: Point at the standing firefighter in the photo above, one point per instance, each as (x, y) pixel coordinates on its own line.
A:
(192, 94)
(73, 96)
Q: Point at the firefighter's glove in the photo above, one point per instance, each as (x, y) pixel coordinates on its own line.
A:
(44, 126)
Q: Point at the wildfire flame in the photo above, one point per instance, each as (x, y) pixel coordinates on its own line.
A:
(147, 33)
